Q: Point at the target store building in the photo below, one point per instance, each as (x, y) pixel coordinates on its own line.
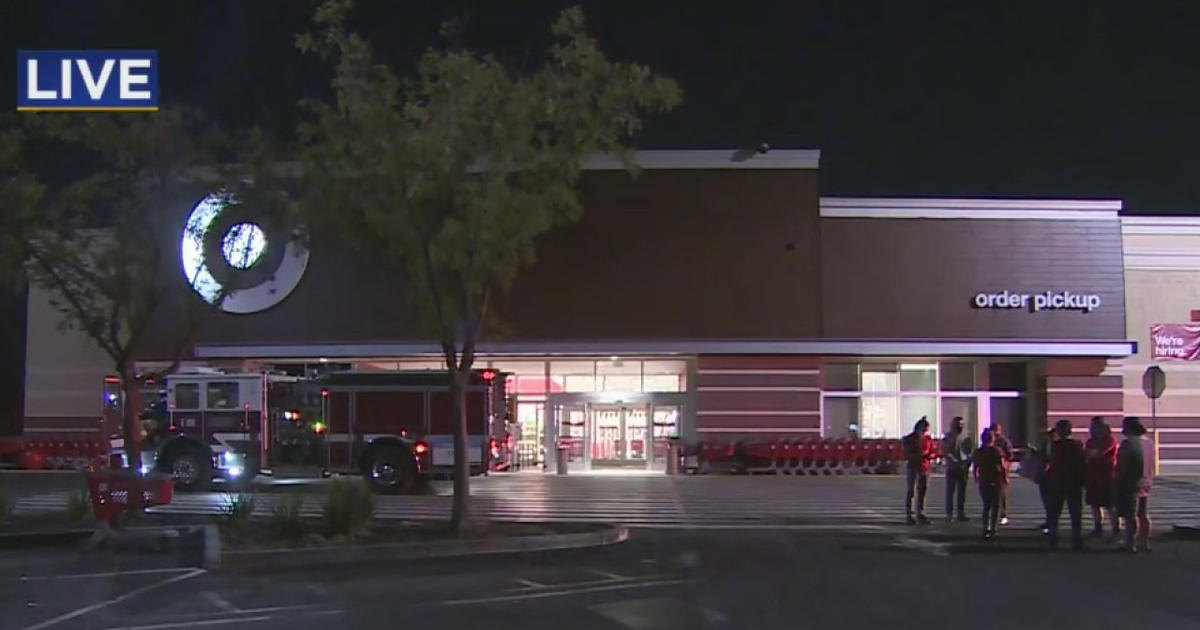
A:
(714, 297)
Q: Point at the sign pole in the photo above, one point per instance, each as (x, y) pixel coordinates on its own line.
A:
(1154, 429)
(1154, 382)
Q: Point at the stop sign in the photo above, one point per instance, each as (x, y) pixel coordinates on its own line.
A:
(1154, 381)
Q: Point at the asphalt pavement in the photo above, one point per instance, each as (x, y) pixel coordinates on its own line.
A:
(658, 580)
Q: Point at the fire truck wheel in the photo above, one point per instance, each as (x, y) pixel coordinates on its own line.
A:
(389, 472)
(187, 469)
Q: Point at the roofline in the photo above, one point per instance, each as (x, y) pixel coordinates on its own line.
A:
(973, 208)
(709, 159)
(651, 159)
(897, 348)
(1160, 225)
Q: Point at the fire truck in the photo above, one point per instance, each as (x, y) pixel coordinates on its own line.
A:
(394, 428)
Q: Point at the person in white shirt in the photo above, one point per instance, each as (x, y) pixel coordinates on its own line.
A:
(1135, 479)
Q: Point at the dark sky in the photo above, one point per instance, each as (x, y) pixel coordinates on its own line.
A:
(979, 98)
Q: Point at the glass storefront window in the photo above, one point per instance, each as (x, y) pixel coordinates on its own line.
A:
(619, 376)
(840, 415)
(664, 376)
(880, 416)
(912, 408)
(839, 377)
(879, 380)
(968, 408)
(663, 383)
(573, 376)
(520, 368)
(918, 377)
(957, 376)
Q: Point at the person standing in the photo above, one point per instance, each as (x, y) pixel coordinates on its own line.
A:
(1134, 480)
(957, 450)
(991, 473)
(1065, 482)
(1101, 452)
(1005, 447)
(1035, 464)
(918, 451)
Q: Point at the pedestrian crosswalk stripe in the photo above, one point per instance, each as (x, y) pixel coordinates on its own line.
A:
(677, 502)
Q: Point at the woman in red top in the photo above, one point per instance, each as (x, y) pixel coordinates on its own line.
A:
(1101, 453)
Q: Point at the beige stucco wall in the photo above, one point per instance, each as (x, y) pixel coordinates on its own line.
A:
(64, 370)
(1162, 286)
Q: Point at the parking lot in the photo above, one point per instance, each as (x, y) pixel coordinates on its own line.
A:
(661, 579)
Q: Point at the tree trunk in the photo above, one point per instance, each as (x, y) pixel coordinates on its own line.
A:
(132, 430)
(131, 426)
(460, 514)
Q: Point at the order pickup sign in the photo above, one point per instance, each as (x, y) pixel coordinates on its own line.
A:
(1175, 342)
(87, 80)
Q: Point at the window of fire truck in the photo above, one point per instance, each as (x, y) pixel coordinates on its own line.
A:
(187, 396)
(221, 395)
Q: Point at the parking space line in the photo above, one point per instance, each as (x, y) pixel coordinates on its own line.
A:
(79, 612)
(219, 602)
(529, 583)
(224, 621)
(611, 576)
(606, 586)
(220, 621)
(85, 576)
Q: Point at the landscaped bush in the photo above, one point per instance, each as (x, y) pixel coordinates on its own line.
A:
(348, 509)
(238, 508)
(286, 521)
(79, 506)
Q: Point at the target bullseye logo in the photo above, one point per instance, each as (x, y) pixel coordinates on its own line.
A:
(230, 256)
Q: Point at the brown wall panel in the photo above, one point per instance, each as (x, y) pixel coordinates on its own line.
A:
(1166, 436)
(687, 254)
(1173, 422)
(1084, 382)
(758, 362)
(915, 278)
(757, 436)
(1091, 367)
(758, 401)
(790, 421)
(1168, 454)
(751, 379)
(1098, 401)
(669, 254)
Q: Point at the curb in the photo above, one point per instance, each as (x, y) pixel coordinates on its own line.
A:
(358, 555)
(1185, 532)
(65, 537)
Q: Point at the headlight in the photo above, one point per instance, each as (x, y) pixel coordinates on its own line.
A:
(231, 461)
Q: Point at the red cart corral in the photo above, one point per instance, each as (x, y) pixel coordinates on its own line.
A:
(115, 490)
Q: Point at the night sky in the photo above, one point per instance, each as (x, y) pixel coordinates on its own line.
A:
(1061, 99)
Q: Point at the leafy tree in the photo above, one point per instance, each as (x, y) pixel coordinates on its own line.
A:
(450, 175)
(94, 232)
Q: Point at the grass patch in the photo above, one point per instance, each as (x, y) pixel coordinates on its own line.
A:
(349, 508)
(286, 520)
(79, 507)
(237, 508)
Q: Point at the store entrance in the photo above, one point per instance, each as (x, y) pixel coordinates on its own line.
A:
(605, 434)
(619, 436)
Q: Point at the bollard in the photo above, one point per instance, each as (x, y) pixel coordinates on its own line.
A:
(672, 456)
(563, 456)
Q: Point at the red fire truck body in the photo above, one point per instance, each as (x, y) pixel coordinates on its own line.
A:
(384, 423)
(394, 428)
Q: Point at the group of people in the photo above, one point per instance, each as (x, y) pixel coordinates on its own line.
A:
(1115, 479)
